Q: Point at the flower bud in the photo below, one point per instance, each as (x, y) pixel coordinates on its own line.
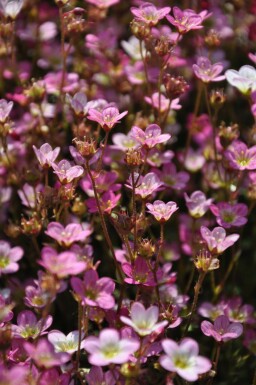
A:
(140, 30)
(228, 134)
(133, 158)
(217, 98)
(205, 262)
(146, 248)
(212, 39)
(86, 147)
(31, 226)
(175, 86)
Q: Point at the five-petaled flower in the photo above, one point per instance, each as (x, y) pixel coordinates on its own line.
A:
(149, 14)
(208, 72)
(107, 118)
(162, 211)
(222, 329)
(217, 240)
(150, 137)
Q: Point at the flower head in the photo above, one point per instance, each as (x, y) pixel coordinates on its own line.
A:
(162, 211)
(5, 109)
(147, 185)
(144, 321)
(183, 359)
(150, 137)
(244, 79)
(11, 8)
(29, 327)
(161, 103)
(228, 215)
(107, 118)
(65, 236)
(63, 343)
(208, 72)
(9, 257)
(66, 172)
(216, 240)
(222, 329)
(109, 348)
(44, 356)
(240, 157)
(149, 14)
(197, 203)
(46, 155)
(186, 20)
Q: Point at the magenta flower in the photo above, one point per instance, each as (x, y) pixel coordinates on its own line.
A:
(237, 312)
(150, 137)
(43, 354)
(61, 265)
(186, 20)
(144, 321)
(29, 194)
(16, 375)
(139, 273)
(66, 172)
(96, 376)
(244, 79)
(53, 377)
(94, 291)
(172, 178)
(66, 236)
(5, 110)
(216, 240)
(228, 215)
(107, 118)
(240, 157)
(108, 201)
(162, 211)
(149, 14)
(222, 329)
(183, 359)
(147, 184)
(208, 72)
(29, 327)
(108, 348)
(104, 181)
(9, 257)
(46, 155)
(197, 203)
(63, 343)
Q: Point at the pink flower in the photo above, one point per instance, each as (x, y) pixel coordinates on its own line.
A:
(65, 236)
(61, 265)
(78, 103)
(222, 329)
(149, 14)
(108, 348)
(164, 104)
(237, 312)
(94, 291)
(216, 240)
(150, 137)
(228, 215)
(96, 376)
(143, 321)
(29, 194)
(63, 343)
(53, 377)
(162, 211)
(240, 157)
(139, 273)
(102, 4)
(66, 172)
(147, 184)
(124, 142)
(208, 72)
(28, 326)
(186, 20)
(46, 155)
(13, 376)
(107, 118)
(104, 181)
(44, 356)
(172, 178)
(108, 201)
(5, 110)
(183, 359)
(197, 203)
(9, 257)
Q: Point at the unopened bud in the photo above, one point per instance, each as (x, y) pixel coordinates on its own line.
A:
(86, 147)
(217, 97)
(175, 86)
(140, 30)
(146, 248)
(133, 158)
(212, 40)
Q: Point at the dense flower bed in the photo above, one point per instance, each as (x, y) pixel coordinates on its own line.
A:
(127, 192)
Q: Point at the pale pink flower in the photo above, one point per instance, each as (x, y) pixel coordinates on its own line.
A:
(9, 257)
(29, 327)
(5, 109)
(183, 359)
(162, 104)
(222, 329)
(124, 142)
(107, 118)
(78, 103)
(244, 79)
(162, 211)
(149, 14)
(240, 157)
(46, 155)
(144, 321)
(147, 184)
(229, 215)
(66, 172)
(216, 240)
(65, 236)
(150, 137)
(96, 376)
(102, 4)
(16, 375)
(63, 343)
(197, 203)
(108, 348)
(63, 264)
(108, 201)
(208, 72)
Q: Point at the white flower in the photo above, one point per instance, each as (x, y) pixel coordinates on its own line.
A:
(244, 79)
(11, 8)
(62, 343)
